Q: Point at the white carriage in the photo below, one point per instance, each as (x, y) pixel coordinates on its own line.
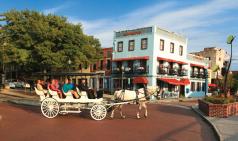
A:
(52, 106)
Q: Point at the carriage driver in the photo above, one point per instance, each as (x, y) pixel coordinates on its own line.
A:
(83, 87)
(69, 87)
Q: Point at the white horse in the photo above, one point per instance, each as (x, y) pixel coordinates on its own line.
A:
(139, 97)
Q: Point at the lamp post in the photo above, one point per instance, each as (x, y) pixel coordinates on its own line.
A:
(69, 63)
(122, 73)
(230, 39)
(206, 81)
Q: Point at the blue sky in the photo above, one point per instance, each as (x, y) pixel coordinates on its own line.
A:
(205, 23)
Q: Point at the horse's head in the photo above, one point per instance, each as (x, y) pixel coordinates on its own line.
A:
(152, 90)
(117, 94)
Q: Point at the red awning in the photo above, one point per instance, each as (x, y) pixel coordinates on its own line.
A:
(171, 81)
(171, 60)
(196, 65)
(212, 85)
(132, 58)
(142, 80)
(184, 81)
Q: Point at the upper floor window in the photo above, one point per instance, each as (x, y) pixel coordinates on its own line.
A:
(94, 67)
(120, 46)
(109, 54)
(131, 45)
(171, 47)
(161, 45)
(101, 64)
(181, 50)
(144, 43)
(108, 64)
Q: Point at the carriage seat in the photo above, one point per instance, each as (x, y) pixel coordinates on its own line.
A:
(68, 95)
(83, 94)
(54, 94)
(40, 93)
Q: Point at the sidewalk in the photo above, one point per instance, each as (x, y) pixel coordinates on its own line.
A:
(226, 128)
(19, 97)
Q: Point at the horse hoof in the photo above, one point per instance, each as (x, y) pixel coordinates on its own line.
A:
(123, 117)
(146, 116)
(111, 117)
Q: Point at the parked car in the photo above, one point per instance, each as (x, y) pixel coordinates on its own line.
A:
(18, 84)
(12, 85)
(27, 85)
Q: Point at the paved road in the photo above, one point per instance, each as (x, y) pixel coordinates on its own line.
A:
(165, 123)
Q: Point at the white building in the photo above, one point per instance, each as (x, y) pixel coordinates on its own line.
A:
(152, 56)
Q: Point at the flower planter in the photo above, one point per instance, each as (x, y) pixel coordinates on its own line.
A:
(218, 110)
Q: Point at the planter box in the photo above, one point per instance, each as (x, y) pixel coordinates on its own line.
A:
(218, 110)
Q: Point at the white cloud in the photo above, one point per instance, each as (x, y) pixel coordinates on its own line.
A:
(195, 22)
(54, 9)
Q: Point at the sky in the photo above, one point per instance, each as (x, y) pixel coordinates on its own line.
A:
(206, 23)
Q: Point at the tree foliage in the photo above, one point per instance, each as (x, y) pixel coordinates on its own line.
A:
(35, 40)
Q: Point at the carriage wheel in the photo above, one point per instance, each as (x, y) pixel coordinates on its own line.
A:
(98, 112)
(49, 107)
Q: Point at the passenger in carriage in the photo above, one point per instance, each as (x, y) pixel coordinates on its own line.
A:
(39, 86)
(54, 87)
(69, 87)
(84, 87)
(72, 85)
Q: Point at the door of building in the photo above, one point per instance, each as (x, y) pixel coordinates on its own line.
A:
(182, 91)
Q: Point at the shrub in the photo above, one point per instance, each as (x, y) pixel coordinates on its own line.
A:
(219, 100)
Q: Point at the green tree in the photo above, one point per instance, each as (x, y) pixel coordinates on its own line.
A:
(38, 42)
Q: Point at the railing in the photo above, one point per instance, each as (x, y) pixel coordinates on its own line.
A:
(162, 71)
(201, 75)
(197, 75)
(194, 74)
(173, 71)
(128, 70)
(182, 72)
(140, 70)
(169, 94)
(116, 71)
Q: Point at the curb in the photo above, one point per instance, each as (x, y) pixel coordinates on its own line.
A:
(21, 101)
(24, 102)
(214, 128)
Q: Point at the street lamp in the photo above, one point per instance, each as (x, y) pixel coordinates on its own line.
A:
(122, 73)
(230, 39)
